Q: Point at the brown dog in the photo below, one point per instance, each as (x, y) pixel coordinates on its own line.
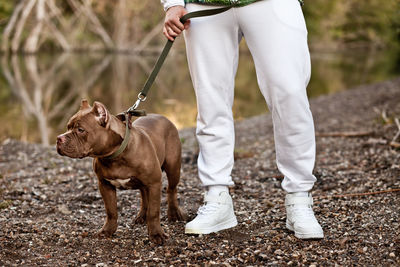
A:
(154, 146)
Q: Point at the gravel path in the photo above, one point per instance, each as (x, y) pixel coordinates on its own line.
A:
(50, 207)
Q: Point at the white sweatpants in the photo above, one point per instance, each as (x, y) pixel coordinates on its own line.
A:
(276, 34)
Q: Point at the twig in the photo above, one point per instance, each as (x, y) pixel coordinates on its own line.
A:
(345, 134)
(11, 24)
(383, 115)
(58, 35)
(86, 9)
(146, 40)
(363, 194)
(395, 144)
(15, 43)
(396, 120)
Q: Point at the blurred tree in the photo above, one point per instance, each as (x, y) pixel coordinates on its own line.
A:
(79, 24)
(372, 23)
(134, 25)
(6, 8)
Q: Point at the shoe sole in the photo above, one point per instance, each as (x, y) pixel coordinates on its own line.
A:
(216, 228)
(317, 235)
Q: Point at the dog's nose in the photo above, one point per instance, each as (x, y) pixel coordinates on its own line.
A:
(60, 139)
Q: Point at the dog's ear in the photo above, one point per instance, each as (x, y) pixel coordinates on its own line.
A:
(101, 113)
(84, 104)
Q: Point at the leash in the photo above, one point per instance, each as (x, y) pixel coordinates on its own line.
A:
(133, 111)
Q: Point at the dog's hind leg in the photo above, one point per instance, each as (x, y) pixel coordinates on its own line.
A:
(156, 233)
(141, 217)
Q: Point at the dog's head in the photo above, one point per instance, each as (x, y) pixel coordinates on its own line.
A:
(88, 133)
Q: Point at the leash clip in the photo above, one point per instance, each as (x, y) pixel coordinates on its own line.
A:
(132, 111)
(141, 98)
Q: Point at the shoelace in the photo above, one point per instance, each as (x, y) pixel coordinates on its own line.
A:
(208, 208)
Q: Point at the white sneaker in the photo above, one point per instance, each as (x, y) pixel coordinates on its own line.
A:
(300, 216)
(215, 215)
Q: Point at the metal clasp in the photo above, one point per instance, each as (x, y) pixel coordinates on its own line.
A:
(141, 98)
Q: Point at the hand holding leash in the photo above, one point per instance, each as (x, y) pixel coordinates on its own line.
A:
(172, 24)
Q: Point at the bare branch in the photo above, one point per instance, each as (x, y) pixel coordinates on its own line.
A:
(383, 115)
(11, 24)
(345, 134)
(20, 25)
(31, 44)
(57, 13)
(146, 40)
(396, 120)
(361, 194)
(58, 35)
(98, 28)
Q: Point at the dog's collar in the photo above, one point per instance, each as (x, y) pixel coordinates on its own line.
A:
(127, 118)
(125, 142)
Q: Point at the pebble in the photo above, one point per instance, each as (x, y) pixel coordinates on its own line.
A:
(263, 256)
(64, 209)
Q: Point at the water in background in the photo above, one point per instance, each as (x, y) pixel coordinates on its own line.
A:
(38, 94)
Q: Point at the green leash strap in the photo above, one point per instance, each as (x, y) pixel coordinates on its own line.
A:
(143, 94)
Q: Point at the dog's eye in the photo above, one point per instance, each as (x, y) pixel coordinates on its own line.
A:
(81, 130)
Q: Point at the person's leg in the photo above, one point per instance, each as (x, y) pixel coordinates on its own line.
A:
(212, 52)
(276, 35)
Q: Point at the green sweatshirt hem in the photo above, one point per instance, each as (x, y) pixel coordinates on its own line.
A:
(237, 3)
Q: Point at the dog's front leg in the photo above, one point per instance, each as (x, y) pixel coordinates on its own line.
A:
(109, 195)
(156, 233)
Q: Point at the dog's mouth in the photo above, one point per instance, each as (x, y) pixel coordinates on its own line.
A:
(67, 151)
(59, 150)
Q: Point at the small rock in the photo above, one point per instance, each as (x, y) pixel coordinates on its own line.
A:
(263, 256)
(64, 209)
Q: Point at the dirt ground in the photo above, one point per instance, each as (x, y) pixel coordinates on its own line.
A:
(50, 207)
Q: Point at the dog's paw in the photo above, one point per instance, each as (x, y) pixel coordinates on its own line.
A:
(158, 238)
(104, 234)
(140, 219)
(176, 215)
(107, 231)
